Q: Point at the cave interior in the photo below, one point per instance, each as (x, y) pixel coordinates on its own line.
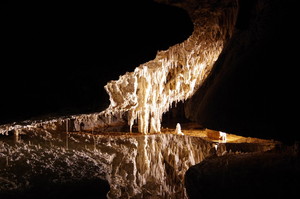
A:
(251, 89)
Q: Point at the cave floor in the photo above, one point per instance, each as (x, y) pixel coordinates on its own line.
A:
(188, 129)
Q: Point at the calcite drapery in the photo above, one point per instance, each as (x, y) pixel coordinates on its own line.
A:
(175, 74)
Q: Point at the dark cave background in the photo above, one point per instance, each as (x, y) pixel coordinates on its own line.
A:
(57, 56)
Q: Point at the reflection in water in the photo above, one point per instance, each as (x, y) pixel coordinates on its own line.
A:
(135, 165)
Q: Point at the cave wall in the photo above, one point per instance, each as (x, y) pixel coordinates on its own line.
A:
(251, 89)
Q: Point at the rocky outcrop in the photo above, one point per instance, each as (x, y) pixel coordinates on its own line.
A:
(72, 123)
(173, 76)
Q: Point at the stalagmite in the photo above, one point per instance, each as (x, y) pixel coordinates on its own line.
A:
(178, 129)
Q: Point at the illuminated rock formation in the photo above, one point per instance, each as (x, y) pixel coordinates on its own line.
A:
(153, 166)
(175, 74)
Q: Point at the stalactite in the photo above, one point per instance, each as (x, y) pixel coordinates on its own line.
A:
(173, 76)
(153, 87)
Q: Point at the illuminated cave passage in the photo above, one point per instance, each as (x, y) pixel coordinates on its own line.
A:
(193, 160)
(174, 75)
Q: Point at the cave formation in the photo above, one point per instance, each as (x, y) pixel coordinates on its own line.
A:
(175, 74)
(228, 72)
(232, 74)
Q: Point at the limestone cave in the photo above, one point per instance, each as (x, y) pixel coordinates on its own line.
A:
(149, 99)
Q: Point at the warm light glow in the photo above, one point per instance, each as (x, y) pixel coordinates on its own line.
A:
(216, 135)
(173, 76)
